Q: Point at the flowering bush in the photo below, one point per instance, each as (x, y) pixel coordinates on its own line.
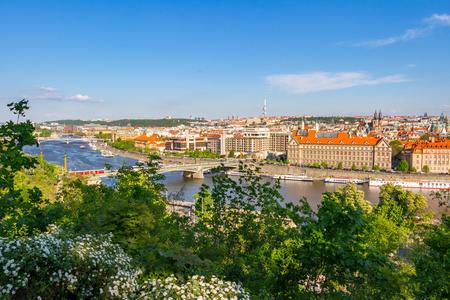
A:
(195, 288)
(55, 265)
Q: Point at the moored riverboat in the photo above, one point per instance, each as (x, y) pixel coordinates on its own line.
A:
(412, 184)
(107, 154)
(342, 179)
(88, 172)
(301, 177)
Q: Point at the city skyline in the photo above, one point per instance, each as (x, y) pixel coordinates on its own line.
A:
(134, 59)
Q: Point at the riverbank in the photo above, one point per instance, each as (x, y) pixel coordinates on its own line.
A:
(273, 169)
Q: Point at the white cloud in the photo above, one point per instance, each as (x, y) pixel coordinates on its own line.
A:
(436, 19)
(321, 81)
(47, 89)
(84, 98)
(49, 96)
(411, 65)
(410, 34)
(407, 36)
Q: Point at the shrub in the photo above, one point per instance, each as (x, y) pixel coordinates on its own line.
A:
(55, 265)
(195, 288)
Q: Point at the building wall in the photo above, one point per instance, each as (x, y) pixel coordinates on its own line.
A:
(433, 153)
(348, 150)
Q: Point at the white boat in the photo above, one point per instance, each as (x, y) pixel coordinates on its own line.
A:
(413, 184)
(235, 173)
(108, 154)
(301, 177)
(342, 179)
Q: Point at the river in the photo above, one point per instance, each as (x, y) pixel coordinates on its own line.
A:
(88, 159)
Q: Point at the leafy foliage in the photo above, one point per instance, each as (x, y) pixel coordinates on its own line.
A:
(403, 166)
(55, 265)
(401, 205)
(431, 260)
(21, 208)
(246, 232)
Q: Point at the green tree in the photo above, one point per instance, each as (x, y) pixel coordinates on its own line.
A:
(336, 261)
(425, 136)
(231, 154)
(324, 164)
(244, 230)
(414, 170)
(376, 168)
(403, 166)
(340, 165)
(404, 204)
(364, 167)
(426, 169)
(316, 165)
(354, 168)
(19, 215)
(430, 257)
(351, 195)
(397, 148)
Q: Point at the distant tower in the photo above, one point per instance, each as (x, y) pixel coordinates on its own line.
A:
(264, 107)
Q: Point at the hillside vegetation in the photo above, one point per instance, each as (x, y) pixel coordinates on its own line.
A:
(242, 241)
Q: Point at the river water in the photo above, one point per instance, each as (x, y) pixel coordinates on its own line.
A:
(88, 159)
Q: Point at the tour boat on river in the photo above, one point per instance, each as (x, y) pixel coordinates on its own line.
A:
(342, 179)
(88, 172)
(107, 154)
(301, 177)
(411, 184)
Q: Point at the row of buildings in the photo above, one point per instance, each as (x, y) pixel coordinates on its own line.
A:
(363, 143)
(255, 142)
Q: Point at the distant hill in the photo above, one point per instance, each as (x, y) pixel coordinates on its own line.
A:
(132, 122)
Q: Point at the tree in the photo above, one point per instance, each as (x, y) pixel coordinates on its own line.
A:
(364, 167)
(324, 165)
(376, 168)
(316, 165)
(351, 195)
(19, 215)
(340, 165)
(414, 170)
(354, 168)
(403, 166)
(231, 154)
(426, 169)
(244, 229)
(430, 257)
(335, 254)
(397, 148)
(425, 137)
(405, 204)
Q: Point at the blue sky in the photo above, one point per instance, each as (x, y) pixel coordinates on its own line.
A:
(214, 59)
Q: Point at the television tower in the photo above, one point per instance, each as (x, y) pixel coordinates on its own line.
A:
(264, 107)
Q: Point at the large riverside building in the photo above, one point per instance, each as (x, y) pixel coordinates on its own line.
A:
(434, 153)
(125, 134)
(152, 143)
(309, 147)
(180, 144)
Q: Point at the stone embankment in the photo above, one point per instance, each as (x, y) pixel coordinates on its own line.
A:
(272, 169)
